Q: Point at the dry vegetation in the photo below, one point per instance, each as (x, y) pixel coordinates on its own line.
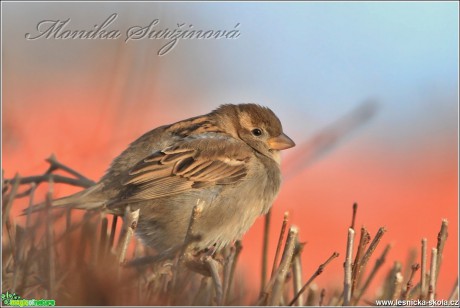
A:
(79, 261)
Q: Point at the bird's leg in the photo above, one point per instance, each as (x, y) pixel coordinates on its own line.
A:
(210, 251)
(197, 262)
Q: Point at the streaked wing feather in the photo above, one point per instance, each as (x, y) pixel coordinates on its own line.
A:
(189, 165)
(149, 176)
(163, 187)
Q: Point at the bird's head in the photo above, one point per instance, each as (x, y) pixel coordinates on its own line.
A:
(256, 125)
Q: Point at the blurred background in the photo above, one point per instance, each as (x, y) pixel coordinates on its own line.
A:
(312, 63)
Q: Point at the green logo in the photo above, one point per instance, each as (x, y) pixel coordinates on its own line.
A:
(12, 299)
(8, 297)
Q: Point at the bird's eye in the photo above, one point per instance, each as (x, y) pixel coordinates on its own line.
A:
(256, 132)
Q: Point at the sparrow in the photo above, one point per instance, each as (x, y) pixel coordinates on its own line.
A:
(227, 160)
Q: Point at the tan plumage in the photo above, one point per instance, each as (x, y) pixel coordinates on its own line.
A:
(227, 159)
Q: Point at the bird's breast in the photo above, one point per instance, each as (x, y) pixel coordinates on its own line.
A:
(236, 207)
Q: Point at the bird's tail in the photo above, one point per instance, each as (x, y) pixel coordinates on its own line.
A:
(88, 199)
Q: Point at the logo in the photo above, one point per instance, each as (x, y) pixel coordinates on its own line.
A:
(12, 299)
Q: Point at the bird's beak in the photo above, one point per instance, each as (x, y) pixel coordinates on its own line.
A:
(282, 142)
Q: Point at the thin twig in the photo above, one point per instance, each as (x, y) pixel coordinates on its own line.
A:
(335, 299)
(81, 180)
(29, 214)
(38, 179)
(131, 219)
(432, 285)
(398, 279)
(7, 222)
(229, 254)
(378, 263)
(423, 275)
(103, 238)
(297, 271)
(9, 203)
(442, 237)
(26, 239)
(202, 291)
(55, 164)
(96, 249)
(229, 270)
(274, 297)
(363, 242)
(321, 297)
(238, 248)
(312, 295)
(31, 204)
(113, 230)
(85, 235)
(348, 268)
(353, 217)
(68, 225)
(315, 274)
(280, 242)
(372, 247)
(265, 242)
(410, 261)
(410, 285)
(389, 286)
(370, 250)
(454, 294)
(50, 246)
(190, 236)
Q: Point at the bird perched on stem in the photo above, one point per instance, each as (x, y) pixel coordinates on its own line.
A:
(228, 160)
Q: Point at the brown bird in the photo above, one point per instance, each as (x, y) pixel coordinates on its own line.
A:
(229, 160)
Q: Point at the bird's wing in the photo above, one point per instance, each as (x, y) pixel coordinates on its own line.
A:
(189, 164)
